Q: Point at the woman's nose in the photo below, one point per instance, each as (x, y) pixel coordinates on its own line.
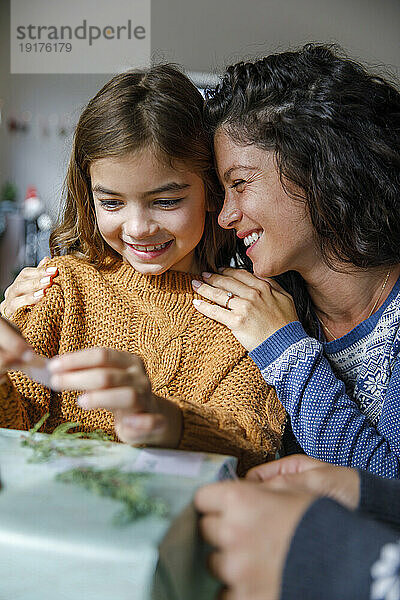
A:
(229, 215)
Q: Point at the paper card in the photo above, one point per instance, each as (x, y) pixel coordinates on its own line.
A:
(170, 462)
(40, 374)
(37, 368)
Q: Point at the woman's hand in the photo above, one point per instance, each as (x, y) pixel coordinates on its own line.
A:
(250, 529)
(117, 381)
(251, 524)
(300, 473)
(252, 308)
(28, 288)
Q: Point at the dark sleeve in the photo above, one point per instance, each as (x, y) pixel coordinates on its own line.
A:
(380, 498)
(289, 443)
(336, 554)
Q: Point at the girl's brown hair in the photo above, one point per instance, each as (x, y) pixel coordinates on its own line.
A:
(160, 109)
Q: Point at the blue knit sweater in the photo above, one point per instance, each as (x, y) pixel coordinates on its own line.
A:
(343, 397)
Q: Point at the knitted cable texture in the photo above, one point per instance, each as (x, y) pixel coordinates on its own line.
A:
(191, 360)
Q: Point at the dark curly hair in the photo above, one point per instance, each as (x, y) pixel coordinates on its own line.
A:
(335, 131)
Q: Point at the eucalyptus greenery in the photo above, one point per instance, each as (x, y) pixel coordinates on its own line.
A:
(49, 446)
(126, 487)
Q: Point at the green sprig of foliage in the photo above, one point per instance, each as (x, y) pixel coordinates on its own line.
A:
(125, 487)
(49, 446)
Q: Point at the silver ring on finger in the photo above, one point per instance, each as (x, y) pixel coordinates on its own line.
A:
(3, 314)
(229, 297)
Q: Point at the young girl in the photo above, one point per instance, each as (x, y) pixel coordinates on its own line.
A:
(140, 220)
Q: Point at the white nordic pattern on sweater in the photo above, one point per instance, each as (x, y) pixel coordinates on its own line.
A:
(385, 574)
(365, 366)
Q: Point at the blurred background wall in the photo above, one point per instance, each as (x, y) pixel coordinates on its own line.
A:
(200, 35)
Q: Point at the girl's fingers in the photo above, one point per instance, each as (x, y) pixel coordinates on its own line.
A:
(13, 347)
(136, 420)
(121, 399)
(94, 358)
(91, 379)
(143, 422)
(141, 428)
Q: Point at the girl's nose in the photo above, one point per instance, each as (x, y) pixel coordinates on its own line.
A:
(140, 226)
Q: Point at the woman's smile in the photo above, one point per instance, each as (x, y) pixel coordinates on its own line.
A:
(274, 227)
(250, 239)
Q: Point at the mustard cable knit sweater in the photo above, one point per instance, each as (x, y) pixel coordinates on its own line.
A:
(227, 407)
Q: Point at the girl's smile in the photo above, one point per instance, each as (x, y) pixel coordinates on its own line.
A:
(150, 212)
(149, 251)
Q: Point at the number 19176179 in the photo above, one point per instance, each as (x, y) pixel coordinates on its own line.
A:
(45, 47)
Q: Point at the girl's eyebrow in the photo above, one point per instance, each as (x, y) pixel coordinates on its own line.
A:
(172, 186)
(101, 190)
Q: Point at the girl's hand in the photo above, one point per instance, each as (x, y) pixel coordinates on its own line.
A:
(28, 288)
(300, 473)
(14, 350)
(252, 308)
(117, 381)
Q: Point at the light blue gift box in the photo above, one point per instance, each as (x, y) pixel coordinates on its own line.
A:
(58, 541)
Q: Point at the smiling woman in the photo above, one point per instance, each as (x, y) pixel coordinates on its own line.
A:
(140, 216)
(272, 217)
(307, 149)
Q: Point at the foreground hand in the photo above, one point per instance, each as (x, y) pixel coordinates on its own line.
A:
(300, 473)
(251, 529)
(117, 381)
(14, 350)
(28, 288)
(256, 310)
